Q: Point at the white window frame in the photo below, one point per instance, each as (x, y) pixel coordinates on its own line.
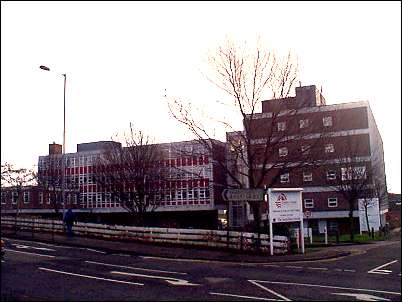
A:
(329, 148)
(281, 126)
(284, 178)
(331, 201)
(307, 176)
(353, 172)
(309, 204)
(327, 121)
(283, 151)
(202, 194)
(303, 123)
(26, 197)
(329, 173)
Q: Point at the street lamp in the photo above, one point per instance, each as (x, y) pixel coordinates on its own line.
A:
(64, 138)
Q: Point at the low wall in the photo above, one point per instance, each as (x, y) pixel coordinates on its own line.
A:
(206, 238)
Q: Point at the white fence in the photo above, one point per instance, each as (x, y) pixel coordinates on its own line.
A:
(206, 238)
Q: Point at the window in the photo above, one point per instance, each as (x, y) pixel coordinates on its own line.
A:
(202, 193)
(190, 194)
(327, 121)
(3, 197)
(332, 202)
(331, 175)
(305, 149)
(49, 198)
(40, 197)
(284, 177)
(14, 197)
(283, 151)
(303, 123)
(309, 203)
(329, 148)
(307, 176)
(281, 126)
(26, 197)
(355, 173)
(333, 226)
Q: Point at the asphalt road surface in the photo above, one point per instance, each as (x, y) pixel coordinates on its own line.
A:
(38, 271)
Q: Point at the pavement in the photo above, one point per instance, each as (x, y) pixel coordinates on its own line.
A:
(194, 253)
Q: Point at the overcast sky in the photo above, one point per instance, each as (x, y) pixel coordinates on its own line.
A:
(120, 57)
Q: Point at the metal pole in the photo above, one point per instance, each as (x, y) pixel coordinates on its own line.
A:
(64, 148)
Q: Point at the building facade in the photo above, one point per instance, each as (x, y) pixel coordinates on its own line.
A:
(190, 196)
(317, 147)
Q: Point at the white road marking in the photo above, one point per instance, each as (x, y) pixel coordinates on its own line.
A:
(329, 286)
(50, 256)
(292, 266)
(90, 277)
(96, 251)
(272, 265)
(244, 297)
(377, 269)
(21, 246)
(137, 268)
(338, 270)
(318, 268)
(268, 290)
(350, 270)
(170, 280)
(362, 297)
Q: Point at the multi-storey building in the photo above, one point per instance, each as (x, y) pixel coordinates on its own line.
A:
(319, 143)
(191, 195)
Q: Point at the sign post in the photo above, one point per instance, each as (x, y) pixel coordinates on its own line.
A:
(285, 205)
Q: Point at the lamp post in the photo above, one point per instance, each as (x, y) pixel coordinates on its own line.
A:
(64, 139)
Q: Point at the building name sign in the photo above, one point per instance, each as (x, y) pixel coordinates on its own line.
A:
(243, 195)
(285, 206)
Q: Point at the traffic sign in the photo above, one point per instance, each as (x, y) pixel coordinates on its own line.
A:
(243, 194)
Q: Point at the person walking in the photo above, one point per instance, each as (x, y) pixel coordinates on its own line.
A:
(69, 221)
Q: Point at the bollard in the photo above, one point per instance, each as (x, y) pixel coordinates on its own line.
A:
(310, 234)
(326, 235)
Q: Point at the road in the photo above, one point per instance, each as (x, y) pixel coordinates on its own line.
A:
(38, 271)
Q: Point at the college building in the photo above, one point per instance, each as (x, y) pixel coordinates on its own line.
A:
(317, 147)
(322, 149)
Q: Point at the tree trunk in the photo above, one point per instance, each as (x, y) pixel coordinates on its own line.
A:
(367, 219)
(257, 223)
(352, 235)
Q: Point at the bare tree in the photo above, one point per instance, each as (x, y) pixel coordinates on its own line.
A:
(50, 181)
(248, 77)
(359, 177)
(17, 179)
(132, 174)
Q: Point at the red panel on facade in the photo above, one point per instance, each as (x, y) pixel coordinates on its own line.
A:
(90, 169)
(85, 170)
(194, 160)
(81, 170)
(76, 170)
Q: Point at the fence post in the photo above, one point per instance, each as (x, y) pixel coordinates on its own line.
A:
(326, 235)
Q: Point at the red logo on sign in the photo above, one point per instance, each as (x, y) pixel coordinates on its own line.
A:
(281, 199)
